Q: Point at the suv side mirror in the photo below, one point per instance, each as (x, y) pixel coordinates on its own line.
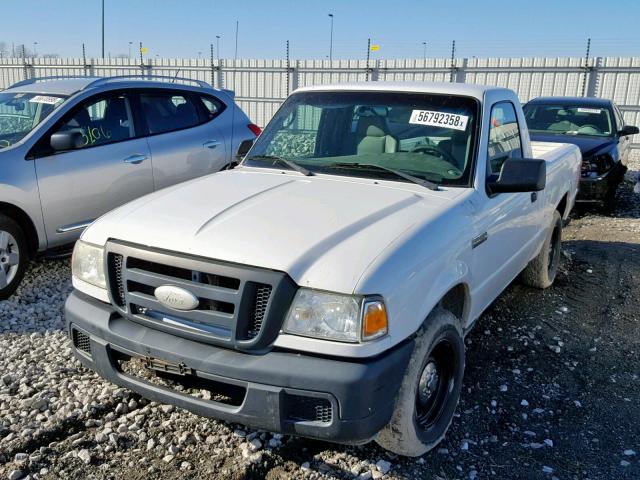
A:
(628, 130)
(71, 140)
(519, 175)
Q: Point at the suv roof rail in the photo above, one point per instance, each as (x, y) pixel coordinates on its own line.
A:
(31, 81)
(102, 80)
(170, 78)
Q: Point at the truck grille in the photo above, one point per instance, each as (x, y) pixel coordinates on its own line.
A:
(238, 306)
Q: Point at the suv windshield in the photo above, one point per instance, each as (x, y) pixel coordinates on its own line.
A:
(569, 120)
(22, 112)
(373, 134)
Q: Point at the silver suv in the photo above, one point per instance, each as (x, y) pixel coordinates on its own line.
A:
(72, 149)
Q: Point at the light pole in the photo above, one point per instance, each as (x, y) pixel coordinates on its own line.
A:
(424, 52)
(218, 48)
(102, 28)
(130, 43)
(331, 39)
(35, 53)
(235, 52)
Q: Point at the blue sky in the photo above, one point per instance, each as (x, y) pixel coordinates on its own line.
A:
(173, 28)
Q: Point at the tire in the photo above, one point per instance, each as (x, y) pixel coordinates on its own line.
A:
(609, 201)
(13, 256)
(542, 270)
(420, 421)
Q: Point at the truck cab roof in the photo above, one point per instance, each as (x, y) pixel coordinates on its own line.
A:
(460, 89)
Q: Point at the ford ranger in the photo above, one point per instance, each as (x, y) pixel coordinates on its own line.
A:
(324, 287)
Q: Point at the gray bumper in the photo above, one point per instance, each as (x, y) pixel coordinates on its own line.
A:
(358, 395)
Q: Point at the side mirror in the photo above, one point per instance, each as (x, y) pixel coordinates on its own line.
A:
(519, 175)
(244, 148)
(71, 140)
(628, 130)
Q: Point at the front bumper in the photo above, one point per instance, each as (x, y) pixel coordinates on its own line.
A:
(596, 189)
(280, 391)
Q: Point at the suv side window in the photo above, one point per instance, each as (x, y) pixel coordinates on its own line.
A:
(619, 117)
(213, 106)
(101, 120)
(167, 111)
(504, 137)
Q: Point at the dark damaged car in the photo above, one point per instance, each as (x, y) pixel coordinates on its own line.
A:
(597, 127)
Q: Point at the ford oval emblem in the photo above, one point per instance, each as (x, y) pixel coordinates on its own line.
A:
(176, 297)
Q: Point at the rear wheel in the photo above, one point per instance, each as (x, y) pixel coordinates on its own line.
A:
(13, 256)
(430, 389)
(542, 270)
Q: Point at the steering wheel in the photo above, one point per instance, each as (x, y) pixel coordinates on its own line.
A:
(438, 152)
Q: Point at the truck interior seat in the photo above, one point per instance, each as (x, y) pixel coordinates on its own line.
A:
(374, 136)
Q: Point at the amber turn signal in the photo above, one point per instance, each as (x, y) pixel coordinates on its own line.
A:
(374, 322)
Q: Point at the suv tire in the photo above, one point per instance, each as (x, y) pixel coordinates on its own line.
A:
(430, 389)
(13, 256)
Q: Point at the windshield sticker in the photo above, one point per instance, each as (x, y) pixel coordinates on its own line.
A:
(439, 119)
(45, 99)
(597, 111)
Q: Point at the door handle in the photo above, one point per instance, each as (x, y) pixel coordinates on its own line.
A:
(534, 196)
(211, 144)
(135, 159)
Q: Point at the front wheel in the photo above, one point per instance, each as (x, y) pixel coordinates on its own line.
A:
(542, 270)
(430, 389)
(13, 256)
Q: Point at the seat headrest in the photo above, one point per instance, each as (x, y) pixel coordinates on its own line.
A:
(372, 126)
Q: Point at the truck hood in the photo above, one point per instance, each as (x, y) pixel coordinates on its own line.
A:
(324, 231)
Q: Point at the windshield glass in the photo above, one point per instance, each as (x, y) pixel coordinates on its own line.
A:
(22, 112)
(569, 120)
(429, 137)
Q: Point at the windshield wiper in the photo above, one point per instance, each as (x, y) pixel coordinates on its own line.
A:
(397, 173)
(290, 163)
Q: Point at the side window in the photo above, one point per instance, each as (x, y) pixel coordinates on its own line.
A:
(504, 136)
(168, 111)
(297, 135)
(100, 121)
(213, 106)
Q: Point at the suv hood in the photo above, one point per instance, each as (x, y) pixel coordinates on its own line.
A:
(588, 145)
(324, 231)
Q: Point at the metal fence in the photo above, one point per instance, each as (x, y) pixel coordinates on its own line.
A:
(261, 85)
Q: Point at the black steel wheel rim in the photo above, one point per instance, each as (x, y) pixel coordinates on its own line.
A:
(435, 384)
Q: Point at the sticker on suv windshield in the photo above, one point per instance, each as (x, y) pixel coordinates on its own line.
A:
(590, 110)
(45, 99)
(439, 119)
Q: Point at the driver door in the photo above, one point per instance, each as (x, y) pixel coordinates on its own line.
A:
(111, 168)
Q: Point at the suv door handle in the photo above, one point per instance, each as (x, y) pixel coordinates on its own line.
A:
(135, 159)
(211, 144)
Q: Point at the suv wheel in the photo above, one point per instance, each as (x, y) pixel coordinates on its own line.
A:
(430, 389)
(13, 256)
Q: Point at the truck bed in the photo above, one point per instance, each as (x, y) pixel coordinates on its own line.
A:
(552, 151)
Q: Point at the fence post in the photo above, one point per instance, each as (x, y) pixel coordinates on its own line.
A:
(295, 80)
(220, 73)
(461, 72)
(213, 69)
(593, 73)
(375, 71)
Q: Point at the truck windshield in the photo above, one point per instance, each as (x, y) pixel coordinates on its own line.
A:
(424, 136)
(569, 120)
(22, 112)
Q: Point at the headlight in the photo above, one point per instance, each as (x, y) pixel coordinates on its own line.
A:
(334, 316)
(87, 264)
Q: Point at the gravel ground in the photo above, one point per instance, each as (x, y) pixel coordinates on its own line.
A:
(551, 389)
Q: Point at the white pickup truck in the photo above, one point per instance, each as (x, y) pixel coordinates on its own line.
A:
(323, 288)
